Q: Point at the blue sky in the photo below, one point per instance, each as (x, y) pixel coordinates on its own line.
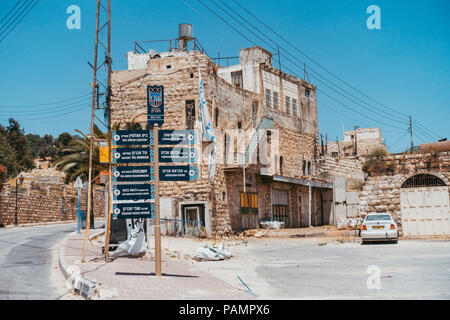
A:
(405, 65)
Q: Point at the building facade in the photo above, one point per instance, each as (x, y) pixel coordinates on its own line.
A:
(266, 136)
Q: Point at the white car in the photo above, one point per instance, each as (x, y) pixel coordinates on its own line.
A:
(378, 227)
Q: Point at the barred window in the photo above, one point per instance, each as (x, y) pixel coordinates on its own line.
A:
(288, 105)
(294, 107)
(423, 180)
(268, 98)
(276, 101)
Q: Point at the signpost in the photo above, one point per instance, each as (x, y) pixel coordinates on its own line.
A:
(178, 173)
(78, 184)
(177, 155)
(174, 137)
(133, 155)
(134, 210)
(133, 192)
(132, 137)
(133, 174)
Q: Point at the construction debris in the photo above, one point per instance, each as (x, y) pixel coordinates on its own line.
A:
(212, 253)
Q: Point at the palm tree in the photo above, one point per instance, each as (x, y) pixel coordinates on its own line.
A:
(75, 161)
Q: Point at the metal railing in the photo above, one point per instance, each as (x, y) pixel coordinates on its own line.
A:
(218, 61)
(192, 44)
(179, 228)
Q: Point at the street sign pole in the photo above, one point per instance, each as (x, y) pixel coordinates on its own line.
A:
(78, 184)
(78, 213)
(157, 211)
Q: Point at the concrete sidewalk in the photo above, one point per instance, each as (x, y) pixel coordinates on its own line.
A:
(133, 278)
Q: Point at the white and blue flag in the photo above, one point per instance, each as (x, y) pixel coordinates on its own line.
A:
(206, 128)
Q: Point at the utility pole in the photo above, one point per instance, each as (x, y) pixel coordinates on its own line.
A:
(411, 132)
(108, 106)
(91, 138)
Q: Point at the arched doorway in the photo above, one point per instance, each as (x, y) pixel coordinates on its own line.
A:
(424, 202)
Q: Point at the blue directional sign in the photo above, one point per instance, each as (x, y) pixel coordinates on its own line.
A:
(133, 192)
(133, 155)
(155, 105)
(133, 173)
(132, 137)
(177, 137)
(177, 155)
(178, 173)
(134, 210)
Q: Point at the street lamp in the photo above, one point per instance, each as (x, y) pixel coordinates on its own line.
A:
(21, 177)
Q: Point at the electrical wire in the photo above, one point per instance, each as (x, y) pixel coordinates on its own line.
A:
(26, 13)
(46, 104)
(290, 44)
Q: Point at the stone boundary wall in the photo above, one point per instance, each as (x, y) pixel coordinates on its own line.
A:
(44, 202)
(349, 168)
(381, 191)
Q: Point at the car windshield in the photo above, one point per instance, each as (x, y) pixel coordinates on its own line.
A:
(375, 217)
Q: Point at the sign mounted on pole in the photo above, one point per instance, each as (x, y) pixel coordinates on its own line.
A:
(133, 192)
(132, 137)
(176, 137)
(133, 155)
(155, 105)
(178, 173)
(177, 155)
(133, 174)
(134, 210)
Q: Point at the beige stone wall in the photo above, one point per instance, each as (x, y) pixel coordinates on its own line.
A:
(228, 104)
(381, 191)
(44, 202)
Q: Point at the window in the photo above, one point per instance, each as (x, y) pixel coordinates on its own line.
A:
(216, 115)
(309, 168)
(304, 168)
(249, 202)
(281, 165)
(236, 78)
(287, 105)
(334, 154)
(239, 125)
(307, 93)
(192, 75)
(423, 180)
(190, 114)
(294, 107)
(268, 98)
(276, 101)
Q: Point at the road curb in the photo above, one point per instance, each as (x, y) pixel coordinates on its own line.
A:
(83, 286)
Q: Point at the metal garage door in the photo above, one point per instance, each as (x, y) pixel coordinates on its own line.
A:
(425, 210)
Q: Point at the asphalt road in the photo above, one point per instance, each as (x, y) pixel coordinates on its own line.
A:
(28, 262)
(311, 269)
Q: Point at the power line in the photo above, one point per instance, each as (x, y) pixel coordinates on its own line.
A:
(54, 115)
(45, 104)
(282, 38)
(26, 13)
(401, 137)
(47, 111)
(10, 12)
(18, 10)
(378, 114)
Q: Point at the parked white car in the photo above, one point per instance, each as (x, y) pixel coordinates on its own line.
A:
(378, 227)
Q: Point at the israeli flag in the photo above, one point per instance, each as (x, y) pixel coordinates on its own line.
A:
(203, 113)
(206, 128)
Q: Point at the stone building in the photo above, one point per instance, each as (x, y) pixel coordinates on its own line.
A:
(358, 142)
(414, 189)
(266, 130)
